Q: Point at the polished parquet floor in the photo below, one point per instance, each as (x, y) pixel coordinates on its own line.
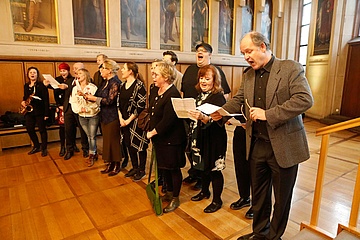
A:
(49, 198)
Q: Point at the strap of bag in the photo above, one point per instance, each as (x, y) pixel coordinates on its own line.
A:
(151, 163)
(156, 174)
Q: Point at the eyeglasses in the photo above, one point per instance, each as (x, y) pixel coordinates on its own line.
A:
(242, 108)
(201, 50)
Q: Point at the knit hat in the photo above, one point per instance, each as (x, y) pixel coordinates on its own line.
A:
(64, 66)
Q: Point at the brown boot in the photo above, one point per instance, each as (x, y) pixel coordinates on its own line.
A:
(30, 16)
(36, 16)
(108, 168)
(174, 204)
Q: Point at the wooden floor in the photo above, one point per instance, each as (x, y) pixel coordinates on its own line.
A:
(49, 198)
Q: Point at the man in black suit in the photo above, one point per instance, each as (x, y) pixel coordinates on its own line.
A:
(72, 120)
(98, 79)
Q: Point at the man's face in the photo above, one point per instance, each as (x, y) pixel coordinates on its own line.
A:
(202, 57)
(99, 60)
(256, 56)
(167, 58)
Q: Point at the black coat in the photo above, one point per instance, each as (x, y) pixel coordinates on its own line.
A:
(40, 107)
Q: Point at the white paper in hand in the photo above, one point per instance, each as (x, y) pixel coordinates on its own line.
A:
(182, 106)
(208, 109)
(54, 84)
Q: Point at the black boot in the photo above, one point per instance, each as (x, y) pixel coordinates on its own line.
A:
(116, 169)
(108, 168)
(62, 151)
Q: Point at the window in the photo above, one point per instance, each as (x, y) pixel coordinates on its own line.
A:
(304, 31)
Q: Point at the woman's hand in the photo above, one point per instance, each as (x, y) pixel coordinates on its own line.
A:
(63, 86)
(122, 122)
(90, 97)
(196, 114)
(45, 118)
(151, 133)
(23, 103)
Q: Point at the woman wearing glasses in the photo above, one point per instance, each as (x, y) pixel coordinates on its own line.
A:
(208, 141)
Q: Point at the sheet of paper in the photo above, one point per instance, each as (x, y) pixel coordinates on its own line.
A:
(54, 84)
(182, 106)
(237, 122)
(208, 108)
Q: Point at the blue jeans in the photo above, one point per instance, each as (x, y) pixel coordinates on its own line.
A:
(90, 126)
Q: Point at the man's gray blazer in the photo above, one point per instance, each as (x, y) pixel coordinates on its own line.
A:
(288, 95)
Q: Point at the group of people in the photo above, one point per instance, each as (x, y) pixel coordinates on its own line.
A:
(267, 149)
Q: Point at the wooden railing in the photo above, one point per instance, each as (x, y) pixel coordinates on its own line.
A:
(325, 133)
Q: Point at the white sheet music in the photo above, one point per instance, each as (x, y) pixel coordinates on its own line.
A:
(54, 84)
(182, 106)
(208, 108)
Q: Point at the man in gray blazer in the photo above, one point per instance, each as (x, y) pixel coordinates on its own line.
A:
(273, 95)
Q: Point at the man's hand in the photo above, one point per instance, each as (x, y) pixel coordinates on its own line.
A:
(257, 113)
(216, 116)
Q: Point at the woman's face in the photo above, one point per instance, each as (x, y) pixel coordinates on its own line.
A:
(152, 69)
(126, 73)
(105, 72)
(64, 73)
(207, 81)
(159, 80)
(81, 76)
(32, 75)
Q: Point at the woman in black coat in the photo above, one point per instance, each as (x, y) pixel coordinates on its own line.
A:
(167, 132)
(36, 105)
(209, 139)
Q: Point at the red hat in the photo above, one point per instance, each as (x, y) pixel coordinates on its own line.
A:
(64, 66)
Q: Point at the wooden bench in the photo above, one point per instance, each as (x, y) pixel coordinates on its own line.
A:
(17, 136)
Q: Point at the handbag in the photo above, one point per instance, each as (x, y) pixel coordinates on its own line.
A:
(144, 120)
(152, 188)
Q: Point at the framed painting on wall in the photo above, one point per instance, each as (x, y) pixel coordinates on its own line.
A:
(266, 20)
(133, 23)
(226, 10)
(34, 20)
(170, 18)
(200, 22)
(323, 27)
(89, 22)
(247, 17)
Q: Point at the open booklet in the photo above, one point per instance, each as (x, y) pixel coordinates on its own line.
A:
(54, 84)
(182, 106)
(236, 120)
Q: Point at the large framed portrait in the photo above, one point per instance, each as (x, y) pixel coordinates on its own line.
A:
(266, 19)
(200, 22)
(89, 22)
(170, 18)
(133, 23)
(226, 10)
(323, 27)
(34, 20)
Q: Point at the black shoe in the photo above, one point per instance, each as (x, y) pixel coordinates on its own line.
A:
(68, 155)
(139, 175)
(189, 179)
(62, 151)
(116, 170)
(76, 149)
(131, 173)
(174, 204)
(200, 196)
(108, 168)
(85, 153)
(252, 236)
(34, 150)
(197, 186)
(249, 214)
(44, 152)
(241, 203)
(213, 207)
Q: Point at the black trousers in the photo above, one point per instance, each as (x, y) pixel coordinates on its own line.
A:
(31, 121)
(242, 168)
(265, 174)
(71, 122)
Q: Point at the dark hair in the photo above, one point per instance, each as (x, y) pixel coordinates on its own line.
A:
(258, 38)
(102, 55)
(39, 79)
(216, 78)
(204, 45)
(173, 55)
(135, 69)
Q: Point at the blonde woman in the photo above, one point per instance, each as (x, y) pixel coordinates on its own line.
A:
(87, 111)
(106, 96)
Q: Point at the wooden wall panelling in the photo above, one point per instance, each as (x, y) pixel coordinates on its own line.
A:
(237, 79)
(183, 67)
(11, 86)
(44, 68)
(229, 77)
